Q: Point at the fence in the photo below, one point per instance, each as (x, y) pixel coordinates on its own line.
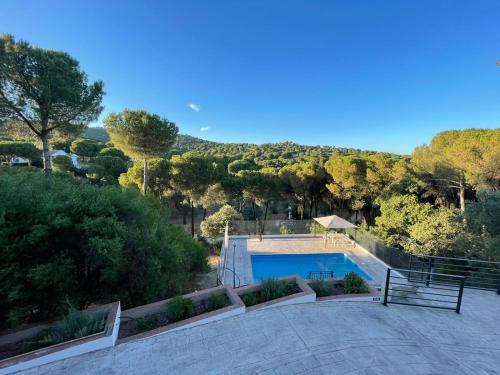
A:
(479, 274)
(394, 257)
(254, 227)
(430, 289)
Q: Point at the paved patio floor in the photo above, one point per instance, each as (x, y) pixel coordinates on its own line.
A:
(316, 338)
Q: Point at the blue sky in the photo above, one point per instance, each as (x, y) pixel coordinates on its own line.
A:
(380, 75)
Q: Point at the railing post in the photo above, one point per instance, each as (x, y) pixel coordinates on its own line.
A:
(410, 267)
(460, 294)
(386, 291)
(429, 271)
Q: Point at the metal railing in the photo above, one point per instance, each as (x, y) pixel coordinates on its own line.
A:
(222, 267)
(319, 275)
(434, 290)
(479, 274)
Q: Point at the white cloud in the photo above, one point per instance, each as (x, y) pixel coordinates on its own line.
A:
(194, 107)
(205, 128)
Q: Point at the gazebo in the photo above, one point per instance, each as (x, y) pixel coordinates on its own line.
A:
(333, 222)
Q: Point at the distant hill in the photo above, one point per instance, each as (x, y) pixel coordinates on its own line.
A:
(99, 134)
(265, 155)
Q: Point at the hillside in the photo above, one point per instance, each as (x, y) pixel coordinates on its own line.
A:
(269, 154)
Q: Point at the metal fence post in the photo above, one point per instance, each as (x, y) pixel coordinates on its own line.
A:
(429, 270)
(386, 291)
(460, 294)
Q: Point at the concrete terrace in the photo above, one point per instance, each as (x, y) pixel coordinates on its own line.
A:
(330, 337)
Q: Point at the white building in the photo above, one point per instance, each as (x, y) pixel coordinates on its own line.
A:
(73, 157)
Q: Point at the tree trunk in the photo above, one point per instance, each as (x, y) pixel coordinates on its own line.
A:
(192, 219)
(145, 179)
(264, 221)
(47, 163)
(461, 193)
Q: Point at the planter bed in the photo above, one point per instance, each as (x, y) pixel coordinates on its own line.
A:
(154, 319)
(336, 291)
(24, 348)
(296, 290)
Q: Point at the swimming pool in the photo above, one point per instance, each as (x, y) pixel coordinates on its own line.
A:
(264, 266)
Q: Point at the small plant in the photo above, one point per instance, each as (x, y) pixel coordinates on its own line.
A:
(321, 288)
(286, 229)
(315, 228)
(353, 283)
(147, 323)
(271, 289)
(179, 308)
(75, 325)
(216, 301)
(250, 299)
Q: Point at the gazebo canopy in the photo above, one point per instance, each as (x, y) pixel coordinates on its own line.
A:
(334, 222)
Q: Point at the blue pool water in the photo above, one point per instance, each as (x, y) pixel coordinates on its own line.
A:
(265, 266)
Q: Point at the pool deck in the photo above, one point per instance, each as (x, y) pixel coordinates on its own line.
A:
(299, 244)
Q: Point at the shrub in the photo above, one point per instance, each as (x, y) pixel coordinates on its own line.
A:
(75, 325)
(147, 323)
(216, 301)
(214, 225)
(271, 289)
(62, 164)
(179, 308)
(353, 283)
(286, 229)
(250, 299)
(121, 239)
(317, 228)
(321, 288)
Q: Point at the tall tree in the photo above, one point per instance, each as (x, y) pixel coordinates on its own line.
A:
(349, 178)
(192, 174)
(46, 90)
(461, 160)
(141, 135)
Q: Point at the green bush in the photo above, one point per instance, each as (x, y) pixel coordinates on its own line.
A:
(322, 288)
(75, 325)
(64, 238)
(286, 229)
(216, 301)
(271, 289)
(62, 164)
(179, 308)
(353, 283)
(317, 228)
(147, 323)
(250, 299)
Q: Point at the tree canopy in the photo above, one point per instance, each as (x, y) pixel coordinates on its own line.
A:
(61, 239)
(141, 135)
(45, 90)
